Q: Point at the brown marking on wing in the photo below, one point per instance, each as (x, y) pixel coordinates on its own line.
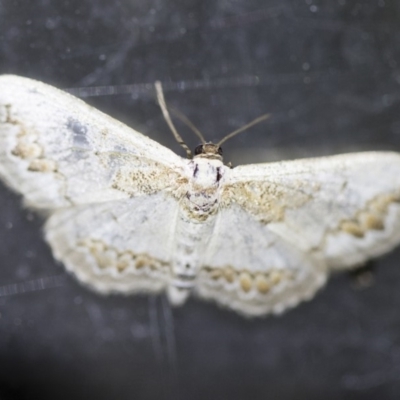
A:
(267, 201)
(371, 217)
(108, 257)
(137, 176)
(259, 282)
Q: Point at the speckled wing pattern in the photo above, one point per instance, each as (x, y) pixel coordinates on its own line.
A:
(127, 215)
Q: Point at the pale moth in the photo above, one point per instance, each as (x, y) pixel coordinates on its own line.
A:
(127, 215)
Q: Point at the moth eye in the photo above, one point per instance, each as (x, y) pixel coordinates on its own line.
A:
(198, 150)
(220, 152)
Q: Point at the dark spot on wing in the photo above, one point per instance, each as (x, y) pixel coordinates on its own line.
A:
(79, 132)
(120, 149)
(219, 176)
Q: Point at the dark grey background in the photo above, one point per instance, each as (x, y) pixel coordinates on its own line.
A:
(329, 73)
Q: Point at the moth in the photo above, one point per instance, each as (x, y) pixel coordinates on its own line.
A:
(127, 215)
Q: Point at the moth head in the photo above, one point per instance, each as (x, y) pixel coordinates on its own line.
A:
(208, 150)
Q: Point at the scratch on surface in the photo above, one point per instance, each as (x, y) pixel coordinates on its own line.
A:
(170, 335)
(155, 329)
(95, 315)
(370, 380)
(248, 17)
(374, 105)
(34, 285)
(193, 84)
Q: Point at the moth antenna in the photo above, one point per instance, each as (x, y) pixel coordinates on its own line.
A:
(243, 128)
(164, 109)
(188, 123)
